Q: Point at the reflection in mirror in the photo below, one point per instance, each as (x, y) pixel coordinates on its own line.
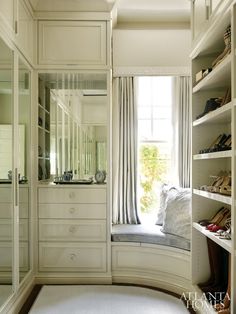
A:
(24, 153)
(6, 160)
(77, 105)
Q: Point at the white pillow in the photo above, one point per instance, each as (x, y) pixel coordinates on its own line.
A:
(164, 190)
(177, 216)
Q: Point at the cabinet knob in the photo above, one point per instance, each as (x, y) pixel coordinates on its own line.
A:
(72, 257)
(72, 210)
(71, 194)
(72, 229)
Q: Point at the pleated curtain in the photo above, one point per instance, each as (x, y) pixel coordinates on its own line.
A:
(124, 152)
(182, 128)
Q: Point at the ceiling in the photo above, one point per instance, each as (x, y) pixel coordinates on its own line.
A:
(128, 11)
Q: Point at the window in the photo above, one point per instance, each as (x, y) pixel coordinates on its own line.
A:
(155, 140)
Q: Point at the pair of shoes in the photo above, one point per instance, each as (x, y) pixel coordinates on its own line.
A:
(224, 144)
(218, 142)
(218, 261)
(220, 224)
(215, 219)
(211, 105)
(221, 184)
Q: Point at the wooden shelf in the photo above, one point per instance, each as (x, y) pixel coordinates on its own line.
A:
(221, 115)
(210, 38)
(214, 196)
(219, 77)
(226, 244)
(222, 154)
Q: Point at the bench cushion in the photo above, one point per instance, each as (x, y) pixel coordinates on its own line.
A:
(151, 234)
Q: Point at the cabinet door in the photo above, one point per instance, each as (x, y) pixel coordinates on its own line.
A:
(200, 16)
(7, 13)
(72, 42)
(6, 162)
(25, 30)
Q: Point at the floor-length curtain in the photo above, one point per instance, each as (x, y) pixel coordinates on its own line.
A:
(182, 130)
(124, 152)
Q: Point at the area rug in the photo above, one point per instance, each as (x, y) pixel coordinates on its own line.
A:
(110, 299)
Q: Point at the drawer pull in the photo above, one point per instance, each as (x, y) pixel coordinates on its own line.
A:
(72, 210)
(71, 194)
(72, 229)
(73, 257)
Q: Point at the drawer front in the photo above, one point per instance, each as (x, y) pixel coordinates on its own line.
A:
(70, 195)
(6, 210)
(82, 211)
(6, 256)
(83, 257)
(6, 233)
(7, 197)
(72, 230)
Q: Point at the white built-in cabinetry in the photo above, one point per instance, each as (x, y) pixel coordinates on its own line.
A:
(207, 45)
(73, 227)
(72, 43)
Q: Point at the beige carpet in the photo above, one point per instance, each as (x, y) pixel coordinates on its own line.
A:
(84, 299)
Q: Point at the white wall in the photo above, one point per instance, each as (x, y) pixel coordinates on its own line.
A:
(158, 49)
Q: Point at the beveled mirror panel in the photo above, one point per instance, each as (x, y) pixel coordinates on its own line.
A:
(6, 161)
(77, 106)
(24, 100)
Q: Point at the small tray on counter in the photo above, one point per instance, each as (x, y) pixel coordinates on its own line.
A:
(80, 181)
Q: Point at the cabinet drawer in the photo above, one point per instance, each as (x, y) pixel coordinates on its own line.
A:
(6, 210)
(6, 256)
(6, 232)
(6, 194)
(72, 42)
(72, 230)
(69, 195)
(83, 211)
(84, 257)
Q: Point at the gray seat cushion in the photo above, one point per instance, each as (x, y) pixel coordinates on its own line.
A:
(151, 234)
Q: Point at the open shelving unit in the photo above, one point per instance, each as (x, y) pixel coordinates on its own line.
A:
(206, 48)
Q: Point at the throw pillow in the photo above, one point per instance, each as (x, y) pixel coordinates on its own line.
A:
(177, 219)
(164, 190)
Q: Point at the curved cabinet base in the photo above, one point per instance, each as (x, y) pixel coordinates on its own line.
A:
(153, 265)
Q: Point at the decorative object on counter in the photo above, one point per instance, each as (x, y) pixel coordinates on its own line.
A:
(40, 121)
(211, 105)
(100, 176)
(221, 143)
(227, 50)
(40, 173)
(40, 151)
(9, 174)
(67, 176)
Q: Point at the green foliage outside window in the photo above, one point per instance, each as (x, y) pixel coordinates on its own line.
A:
(152, 171)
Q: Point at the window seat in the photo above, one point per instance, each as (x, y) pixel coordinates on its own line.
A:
(150, 234)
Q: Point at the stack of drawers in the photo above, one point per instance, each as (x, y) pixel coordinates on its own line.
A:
(6, 229)
(72, 229)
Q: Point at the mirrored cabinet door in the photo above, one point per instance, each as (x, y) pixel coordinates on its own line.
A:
(24, 100)
(6, 163)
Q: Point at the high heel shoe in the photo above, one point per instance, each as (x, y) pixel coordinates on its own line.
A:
(220, 224)
(213, 219)
(220, 139)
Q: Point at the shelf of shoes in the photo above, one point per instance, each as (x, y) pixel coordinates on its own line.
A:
(215, 155)
(214, 196)
(220, 115)
(218, 77)
(226, 244)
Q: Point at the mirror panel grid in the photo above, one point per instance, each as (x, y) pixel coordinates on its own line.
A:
(72, 126)
(6, 162)
(24, 99)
